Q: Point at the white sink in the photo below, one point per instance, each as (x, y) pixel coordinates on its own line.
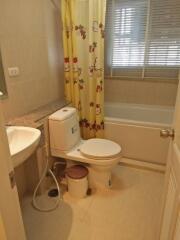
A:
(22, 143)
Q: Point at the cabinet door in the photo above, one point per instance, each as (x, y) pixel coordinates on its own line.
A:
(170, 205)
(176, 235)
(2, 230)
(170, 225)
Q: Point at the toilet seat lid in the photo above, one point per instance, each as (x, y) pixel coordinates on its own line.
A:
(100, 148)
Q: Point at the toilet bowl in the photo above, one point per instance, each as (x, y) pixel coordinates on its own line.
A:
(100, 155)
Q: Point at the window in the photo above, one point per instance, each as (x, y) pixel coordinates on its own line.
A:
(142, 39)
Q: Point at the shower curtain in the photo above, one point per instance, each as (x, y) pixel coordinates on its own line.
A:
(83, 41)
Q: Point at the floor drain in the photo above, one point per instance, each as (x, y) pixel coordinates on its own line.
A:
(53, 192)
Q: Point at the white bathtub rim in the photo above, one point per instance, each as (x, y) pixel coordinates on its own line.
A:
(137, 123)
(133, 105)
(140, 114)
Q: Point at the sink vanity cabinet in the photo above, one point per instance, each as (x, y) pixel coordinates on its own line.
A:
(29, 172)
(43, 155)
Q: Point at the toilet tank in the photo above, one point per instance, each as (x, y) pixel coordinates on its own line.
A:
(64, 129)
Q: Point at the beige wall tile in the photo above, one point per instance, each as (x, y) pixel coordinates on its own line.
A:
(140, 92)
(30, 38)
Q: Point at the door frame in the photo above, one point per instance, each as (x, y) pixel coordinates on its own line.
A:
(173, 163)
(9, 201)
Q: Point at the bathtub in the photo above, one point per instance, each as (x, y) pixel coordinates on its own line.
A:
(137, 129)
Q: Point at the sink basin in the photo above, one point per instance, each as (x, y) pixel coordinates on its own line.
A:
(22, 142)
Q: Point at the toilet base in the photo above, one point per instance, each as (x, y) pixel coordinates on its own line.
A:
(99, 177)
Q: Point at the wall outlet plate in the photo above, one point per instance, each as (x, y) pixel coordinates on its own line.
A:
(13, 71)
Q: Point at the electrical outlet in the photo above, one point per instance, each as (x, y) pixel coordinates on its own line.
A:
(13, 71)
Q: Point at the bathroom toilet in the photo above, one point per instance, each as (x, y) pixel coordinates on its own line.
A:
(99, 155)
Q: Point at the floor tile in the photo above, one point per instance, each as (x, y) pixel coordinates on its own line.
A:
(130, 210)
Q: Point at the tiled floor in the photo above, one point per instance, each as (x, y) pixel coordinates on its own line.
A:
(129, 211)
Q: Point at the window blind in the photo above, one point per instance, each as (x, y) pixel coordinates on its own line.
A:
(142, 38)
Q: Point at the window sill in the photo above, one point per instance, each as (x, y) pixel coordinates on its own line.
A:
(147, 79)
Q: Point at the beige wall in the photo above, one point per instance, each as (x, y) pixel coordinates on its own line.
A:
(140, 92)
(30, 40)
